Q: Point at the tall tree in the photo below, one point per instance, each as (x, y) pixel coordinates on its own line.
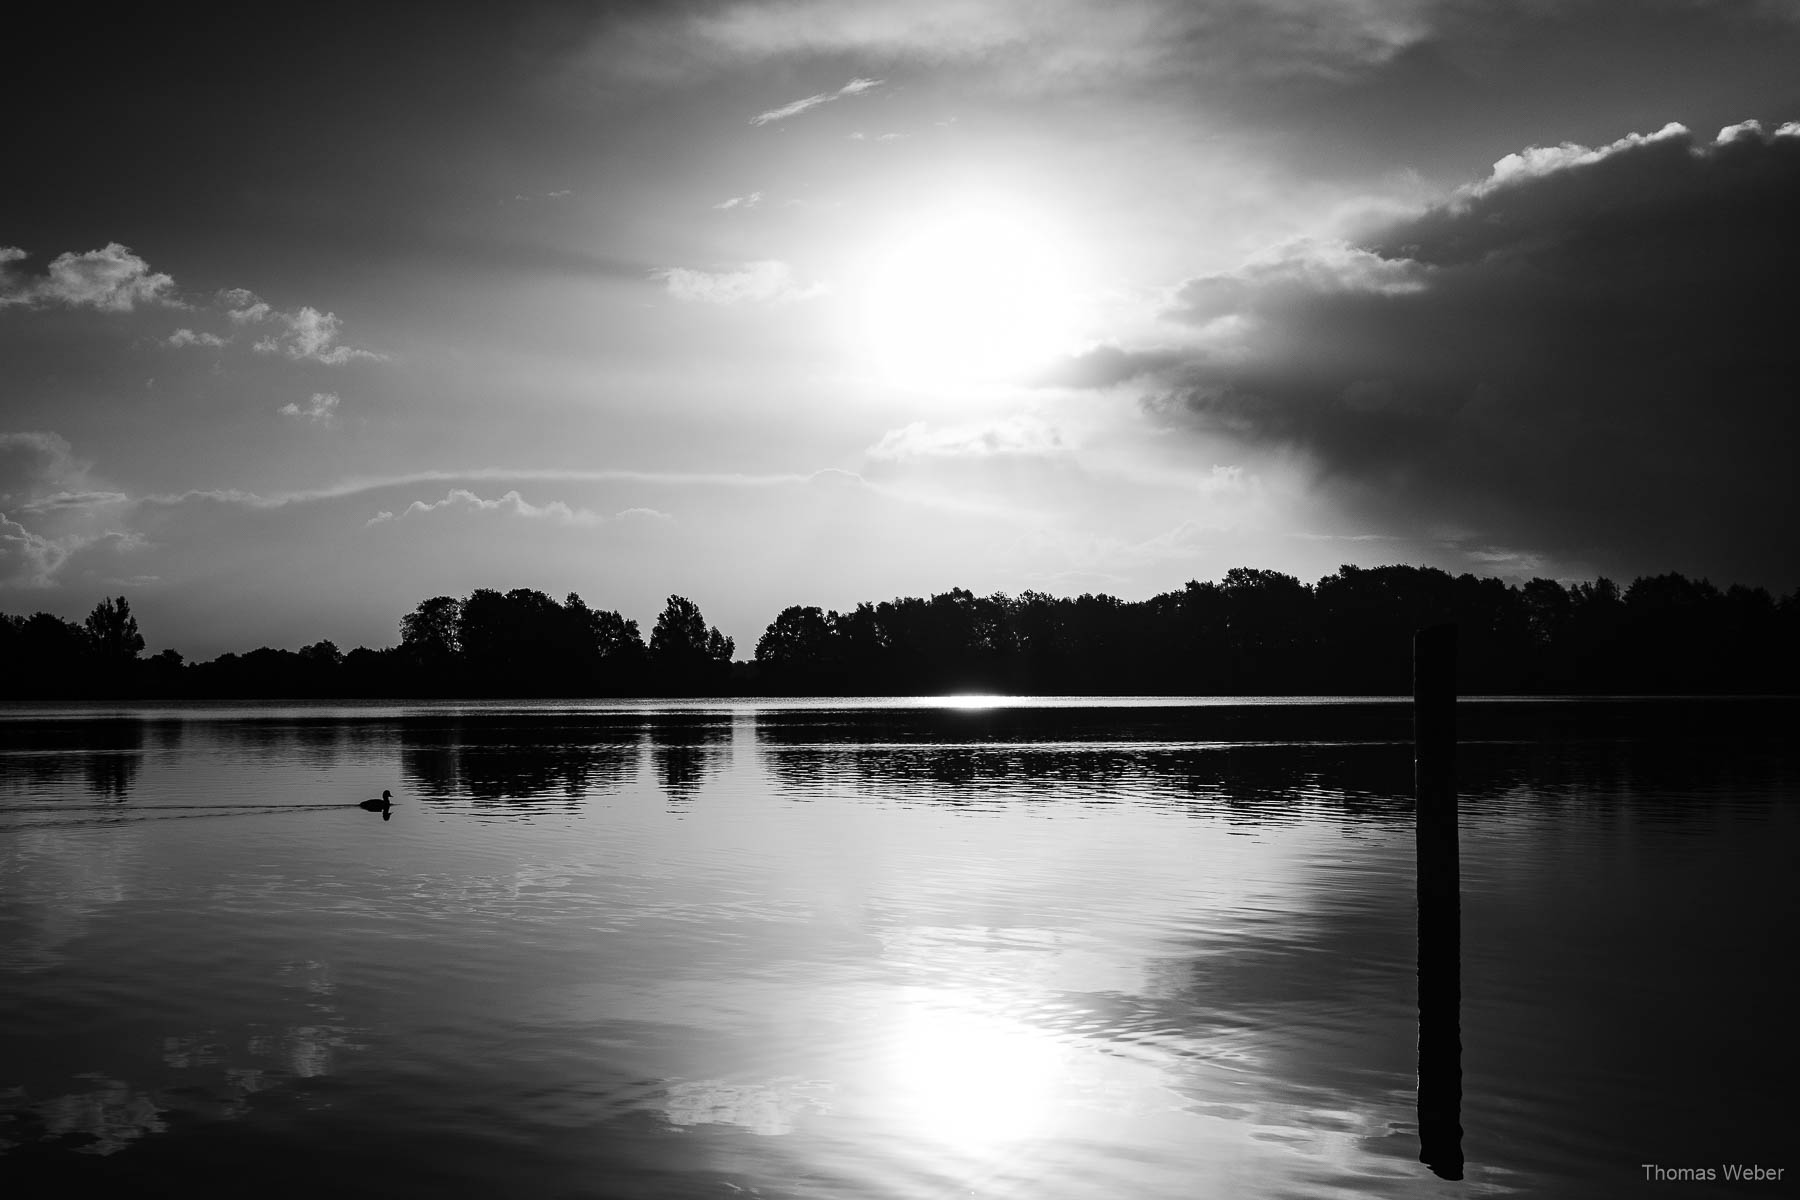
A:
(114, 632)
(433, 631)
(686, 654)
(679, 635)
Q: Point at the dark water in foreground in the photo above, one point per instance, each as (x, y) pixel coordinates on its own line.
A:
(1133, 950)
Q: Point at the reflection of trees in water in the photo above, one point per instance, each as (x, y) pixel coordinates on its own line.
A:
(107, 753)
(514, 757)
(315, 741)
(1098, 723)
(686, 748)
(111, 775)
(1259, 783)
(1281, 762)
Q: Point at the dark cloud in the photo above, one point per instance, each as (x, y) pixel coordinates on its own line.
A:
(1590, 354)
(1107, 365)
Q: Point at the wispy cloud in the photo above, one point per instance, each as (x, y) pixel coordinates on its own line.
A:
(110, 279)
(828, 477)
(855, 87)
(1036, 43)
(1016, 435)
(304, 334)
(66, 501)
(51, 510)
(33, 560)
(243, 306)
(511, 502)
(115, 279)
(755, 282)
(312, 336)
(187, 337)
(749, 201)
(36, 462)
(320, 410)
(27, 559)
(360, 487)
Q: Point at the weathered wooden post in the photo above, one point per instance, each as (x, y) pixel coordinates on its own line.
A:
(1440, 902)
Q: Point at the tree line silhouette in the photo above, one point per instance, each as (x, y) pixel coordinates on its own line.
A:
(1253, 632)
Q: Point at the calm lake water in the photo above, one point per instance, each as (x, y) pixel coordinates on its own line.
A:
(1065, 949)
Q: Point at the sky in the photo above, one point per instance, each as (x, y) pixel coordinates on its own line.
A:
(310, 313)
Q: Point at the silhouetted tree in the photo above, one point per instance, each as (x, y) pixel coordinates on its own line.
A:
(1253, 631)
(320, 666)
(51, 657)
(323, 655)
(115, 632)
(163, 674)
(431, 639)
(685, 654)
(797, 647)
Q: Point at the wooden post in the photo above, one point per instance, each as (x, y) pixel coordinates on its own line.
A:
(1440, 903)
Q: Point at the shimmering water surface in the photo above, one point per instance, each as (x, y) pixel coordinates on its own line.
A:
(1076, 949)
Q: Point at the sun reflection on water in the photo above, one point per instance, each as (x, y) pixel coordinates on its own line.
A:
(971, 1079)
(974, 700)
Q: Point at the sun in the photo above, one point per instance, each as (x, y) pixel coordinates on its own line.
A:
(971, 293)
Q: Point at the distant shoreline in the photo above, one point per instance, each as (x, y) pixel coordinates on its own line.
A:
(14, 709)
(1255, 633)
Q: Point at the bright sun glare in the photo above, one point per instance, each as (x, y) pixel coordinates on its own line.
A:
(974, 1080)
(970, 294)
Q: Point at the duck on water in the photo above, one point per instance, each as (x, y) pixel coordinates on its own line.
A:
(384, 806)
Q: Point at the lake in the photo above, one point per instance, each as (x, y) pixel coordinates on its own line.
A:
(1066, 948)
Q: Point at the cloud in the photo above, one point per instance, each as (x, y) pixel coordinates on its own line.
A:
(243, 306)
(1108, 364)
(111, 279)
(27, 559)
(74, 501)
(32, 560)
(511, 502)
(755, 282)
(320, 410)
(1588, 353)
(311, 336)
(187, 337)
(361, 487)
(1047, 42)
(1538, 161)
(1014, 436)
(34, 462)
(855, 87)
(749, 201)
(51, 511)
(1300, 268)
(114, 279)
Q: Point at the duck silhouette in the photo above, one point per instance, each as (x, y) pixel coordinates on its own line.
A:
(384, 806)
